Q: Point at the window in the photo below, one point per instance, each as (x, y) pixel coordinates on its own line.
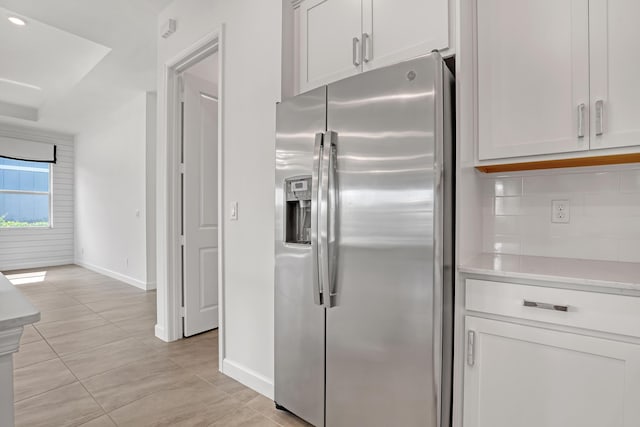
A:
(25, 194)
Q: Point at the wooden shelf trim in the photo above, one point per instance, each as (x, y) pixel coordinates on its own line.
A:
(615, 159)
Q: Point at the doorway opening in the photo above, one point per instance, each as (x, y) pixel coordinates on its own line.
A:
(193, 299)
(198, 167)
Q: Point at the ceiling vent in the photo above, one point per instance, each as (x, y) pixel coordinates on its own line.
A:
(168, 28)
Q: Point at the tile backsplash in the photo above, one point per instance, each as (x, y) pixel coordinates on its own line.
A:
(604, 214)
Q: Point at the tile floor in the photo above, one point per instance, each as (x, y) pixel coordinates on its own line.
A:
(93, 360)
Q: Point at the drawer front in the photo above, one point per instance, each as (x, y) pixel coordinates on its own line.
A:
(589, 310)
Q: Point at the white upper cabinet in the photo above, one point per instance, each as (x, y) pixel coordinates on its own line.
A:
(330, 41)
(340, 38)
(533, 77)
(615, 71)
(531, 377)
(401, 29)
(557, 76)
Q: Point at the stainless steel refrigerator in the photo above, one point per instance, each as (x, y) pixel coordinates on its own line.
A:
(364, 249)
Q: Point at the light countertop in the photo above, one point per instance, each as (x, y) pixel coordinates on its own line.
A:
(15, 308)
(610, 274)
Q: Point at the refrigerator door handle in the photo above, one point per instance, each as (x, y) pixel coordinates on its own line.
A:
(332, 220)
(438, 267)
(323, 246)
(315, 204)
(327, 219)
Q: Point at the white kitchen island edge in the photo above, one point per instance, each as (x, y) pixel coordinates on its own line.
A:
(15, 312)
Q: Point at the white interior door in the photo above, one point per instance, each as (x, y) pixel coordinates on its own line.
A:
(200, 205)
(615, 65)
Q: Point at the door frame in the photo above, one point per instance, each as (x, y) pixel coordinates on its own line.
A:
(169, 260)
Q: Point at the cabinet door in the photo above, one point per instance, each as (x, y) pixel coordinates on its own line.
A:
(330, 41)
(401, 29)
(615, 67)
(531, 377)
(533, 77)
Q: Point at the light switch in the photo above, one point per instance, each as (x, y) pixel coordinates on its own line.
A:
(234, 211)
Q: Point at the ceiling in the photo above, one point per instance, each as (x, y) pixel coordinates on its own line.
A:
(75, 60)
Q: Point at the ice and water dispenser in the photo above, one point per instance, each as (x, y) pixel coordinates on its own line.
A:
(298, 210)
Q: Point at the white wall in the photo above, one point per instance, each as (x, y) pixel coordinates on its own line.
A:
(604, 214)
(250, 89)
(20, 248)
(110, 188)
(150, 165)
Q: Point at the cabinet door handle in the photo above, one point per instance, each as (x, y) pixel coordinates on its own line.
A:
(546, 306)
(581, 109)
(471, 348)
(356, 54)
(366, 47)
(599, 117)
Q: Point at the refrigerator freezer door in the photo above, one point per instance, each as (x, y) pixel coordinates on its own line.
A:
(380, 329)
(299, 319)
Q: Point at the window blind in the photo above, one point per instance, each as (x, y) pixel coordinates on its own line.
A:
(20, 149)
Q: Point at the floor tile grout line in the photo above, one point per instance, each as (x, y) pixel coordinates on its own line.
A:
(72, 332)
(244, 404)
(111, 418)
(75, 352)
(92, 348)
(77, 380)
(132, 402)
(46, 391)
(66, 366)
(140, 398)
(124, 366)
(193, 370)
(55, 355)
(85, 389)
(87, 350)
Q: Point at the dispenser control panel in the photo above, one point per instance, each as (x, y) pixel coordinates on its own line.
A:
(298, 186)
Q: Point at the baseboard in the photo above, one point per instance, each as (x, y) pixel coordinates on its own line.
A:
(37, 264)
(115, 275)
(160, 333)
(248, 377)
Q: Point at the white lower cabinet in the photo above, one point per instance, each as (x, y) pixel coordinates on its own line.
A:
(517, 375)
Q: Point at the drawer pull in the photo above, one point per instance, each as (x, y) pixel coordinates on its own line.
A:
(546, 306)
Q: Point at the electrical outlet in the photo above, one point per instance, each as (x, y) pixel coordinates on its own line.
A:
(560, 211)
